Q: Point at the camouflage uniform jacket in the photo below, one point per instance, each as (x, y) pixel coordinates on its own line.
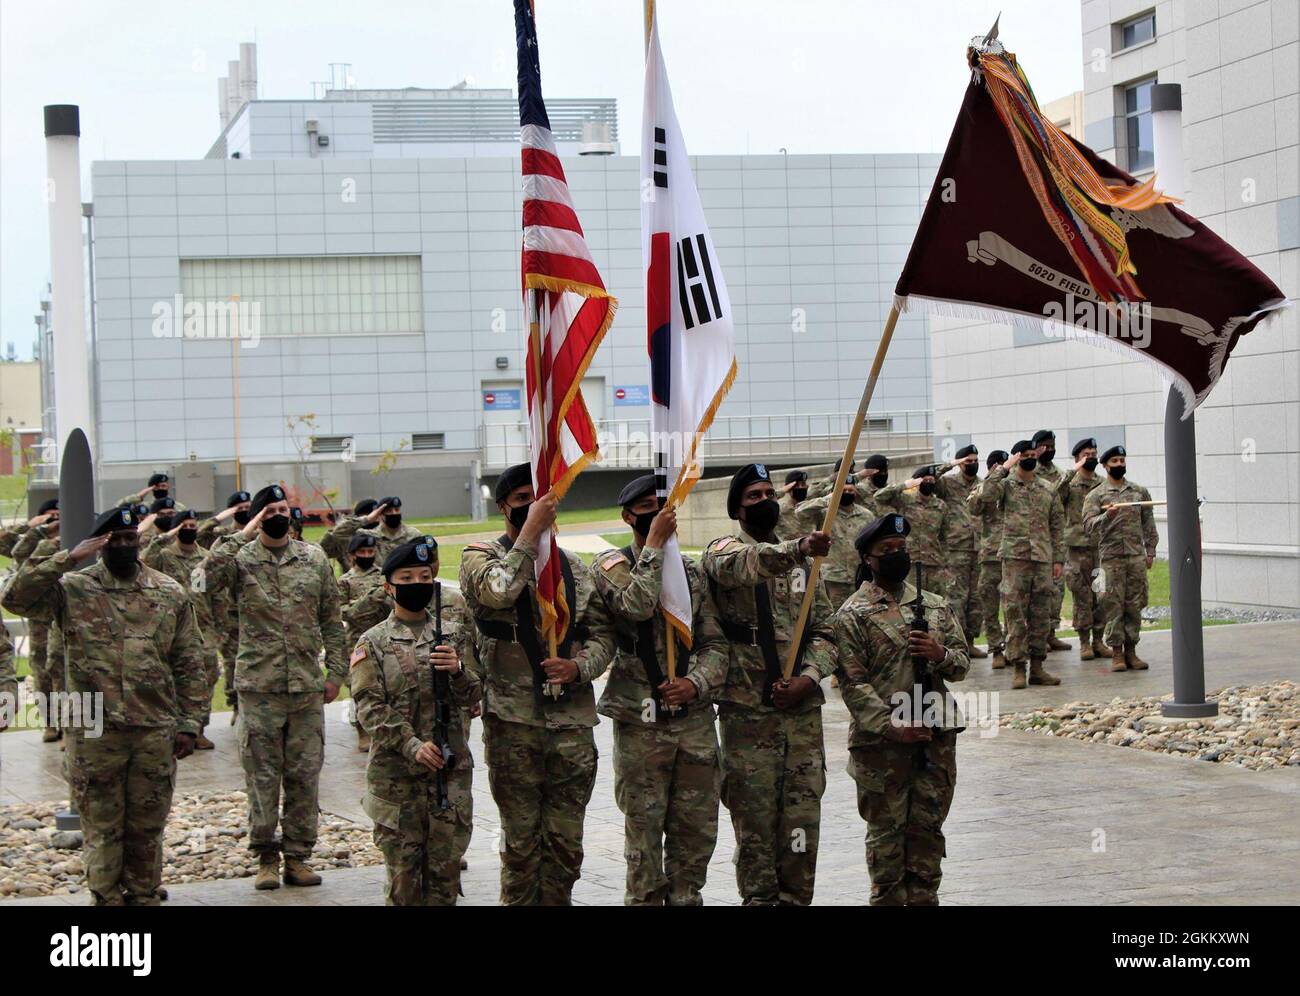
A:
(135, 499)
(986, 512)
(735, 566)
(386, 540)
(493, 577)
(1130, 531)
(392, 685)
(8, 676)
(631, 594)
(211, 530)
(841, 564)
(29, 541)
(134, 642)
(1051, 475)
(186, 569)
(1032, 520)
(1071, 492)
(787, 526)
(924, 514)
(875, 663)
(960, 529)
(288, 608)
(374, 606)
(354, 586)
(9, 537)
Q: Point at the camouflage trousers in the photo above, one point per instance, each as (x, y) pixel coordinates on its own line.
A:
(212, 671)
(934, 578)
(47, 671)
(541, 781)
(963, 591)
(905, 804)
(420, 842)
(1027, 602)
(1079, 570)
(1058, 599)
(666, 784)
(990, 595)
(1124, 598)
(774, 774)
(122, 784)
(282, 747)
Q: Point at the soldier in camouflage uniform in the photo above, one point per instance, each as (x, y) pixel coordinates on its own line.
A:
(538, 709)
(231, 519)
(397, 698)
(841, 564)
(773, 753)
(903, 759)
(360, 580)
(1044, 443)
(793, 495)
(225, 607)
(666, 772)
(384, 521)
(1033, 552)
(40, 539)
(288, 614)
(177, 554)
(1126, 543)
(159, 486)
(1082, 566)
(987, 515)
(336, 547)
(133, 642)
(958, 538)
(923, 500)
(8, 678)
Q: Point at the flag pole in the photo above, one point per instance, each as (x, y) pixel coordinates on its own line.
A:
(535, 340)
(833, 508)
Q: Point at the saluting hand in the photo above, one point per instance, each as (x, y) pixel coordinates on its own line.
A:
(87, 548)
(254, 524)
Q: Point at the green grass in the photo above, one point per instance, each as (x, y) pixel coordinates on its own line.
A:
(13, 488)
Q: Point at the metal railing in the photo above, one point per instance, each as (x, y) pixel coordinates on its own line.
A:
(796, 438)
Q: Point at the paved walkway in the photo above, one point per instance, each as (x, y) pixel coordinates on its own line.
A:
(1035, 820)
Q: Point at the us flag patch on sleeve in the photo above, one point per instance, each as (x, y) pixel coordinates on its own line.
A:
(358, 655)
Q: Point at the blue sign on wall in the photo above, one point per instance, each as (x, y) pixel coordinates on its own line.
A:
(637, 395)
(504, 400)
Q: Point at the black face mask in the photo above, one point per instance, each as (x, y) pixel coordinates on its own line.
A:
(763, 517)
(881, 479)
(121, 560)
(188, 536)
(1028, 463)
(1116, 472)
(641, 522)
(1047, 456)
(892, 568)
(926, 488)
(414, 597)
(970, 469)
(163, 522)
(1090, 464)
(365, 563)
(848, 498)
(799, 494)
(518, 516)
(393, 521)
(276, 526)
(242, 517)
(159, 493)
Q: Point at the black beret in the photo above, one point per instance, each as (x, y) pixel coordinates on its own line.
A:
(886, 526)
(1083, 444)
(269, 495)
(118, 519)
(1042, 435)
(418, 553)
(853, 467)
(877, 461)
(1114, 451)
(359, 540)
(926, 471)
(180, 517)
(996, 457)
(636, 490)
(966, 451)
(238, 498)
(365, 506)
(141, 510)
(1023, 444)
(296, 514)
(796, 475)
(158, 479)
(162, 504)
(49, 505)
(392, 501)
(742, 479)
(513, 477)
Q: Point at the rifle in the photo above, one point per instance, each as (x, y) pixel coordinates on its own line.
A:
(920, 666)
(441, 707)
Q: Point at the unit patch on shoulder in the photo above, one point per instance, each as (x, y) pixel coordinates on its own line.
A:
(360, 654)
(612, 561)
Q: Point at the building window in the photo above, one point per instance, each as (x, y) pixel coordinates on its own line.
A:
(1137, 124)
(313, 295)
(1137, 30)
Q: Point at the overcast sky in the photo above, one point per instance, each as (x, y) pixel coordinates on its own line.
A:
(810, 76)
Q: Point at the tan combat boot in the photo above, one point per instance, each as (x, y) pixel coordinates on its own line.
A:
(297, 872)
(363, 742)
(203, 743)
(268, 872)
(1038, 676)
(1098, 644)
(1086, 652)
(1117, 662)
(975, 653)
(50, 735)
(1018, 681)
(1054, 644)
(999, 659)
(1132, 659)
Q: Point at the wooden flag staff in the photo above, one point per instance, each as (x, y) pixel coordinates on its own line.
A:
(535, 338)
(833, 509)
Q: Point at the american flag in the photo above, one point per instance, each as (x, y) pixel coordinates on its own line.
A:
(568, 312)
